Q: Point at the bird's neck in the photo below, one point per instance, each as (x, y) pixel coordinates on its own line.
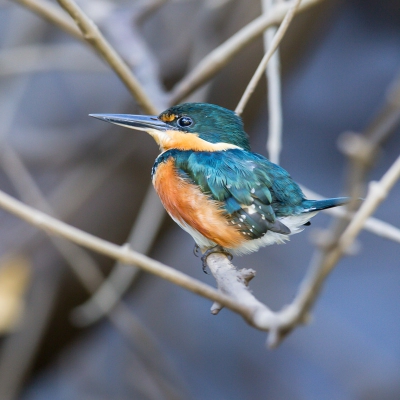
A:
(188, 141)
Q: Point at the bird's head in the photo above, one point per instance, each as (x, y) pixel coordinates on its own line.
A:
(188, 126)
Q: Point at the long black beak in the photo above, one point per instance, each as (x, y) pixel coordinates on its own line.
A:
(140, 122)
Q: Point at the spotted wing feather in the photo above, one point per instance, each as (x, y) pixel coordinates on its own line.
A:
(249, 195)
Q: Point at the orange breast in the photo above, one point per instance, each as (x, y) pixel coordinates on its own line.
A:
(186, 203)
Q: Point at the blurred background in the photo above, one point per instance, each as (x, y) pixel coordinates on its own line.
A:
(339, 62)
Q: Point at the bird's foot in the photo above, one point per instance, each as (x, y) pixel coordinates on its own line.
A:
(215, 249)
(196, 250)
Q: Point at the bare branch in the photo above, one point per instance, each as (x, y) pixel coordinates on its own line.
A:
(223, 54)
(273, 75)
(378, 191)
(47, 57)
(53, 14)
(263, 64)
(373, 225)
(119, 280)
(324, 262)
(92, 35)
(233, 283)
(121, 253)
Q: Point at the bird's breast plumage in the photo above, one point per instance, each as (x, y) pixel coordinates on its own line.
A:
(192, 209)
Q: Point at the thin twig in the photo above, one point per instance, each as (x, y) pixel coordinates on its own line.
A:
(223, 54)
(273, 75)
(47, 57)
(263, 64)
(53, 14)
(323, 263)
(372, 225)
(89, 32)
(81, 263)
(120, 279)
(93, 35)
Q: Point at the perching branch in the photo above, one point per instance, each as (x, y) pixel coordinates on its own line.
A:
(263, 64)
(121, 253)
(233, 292)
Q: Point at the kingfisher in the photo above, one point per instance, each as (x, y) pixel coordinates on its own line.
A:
(213, 186)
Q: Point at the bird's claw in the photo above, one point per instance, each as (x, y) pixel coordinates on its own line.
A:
(215, 249)
(196, 250)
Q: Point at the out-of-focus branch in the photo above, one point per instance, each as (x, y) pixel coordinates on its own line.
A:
(223, 54)
(323, 262)
(47, 57)
(263, 64)
(90, 33)
(80, 261)
(373, 225)
(93, 35)
(53, 14)
(120, 279)
(377, 192)
(362, 151)
(273, 75)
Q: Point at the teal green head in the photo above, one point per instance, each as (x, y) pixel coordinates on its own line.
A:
(189, 126)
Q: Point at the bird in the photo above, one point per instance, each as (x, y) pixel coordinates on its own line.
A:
(228, 198)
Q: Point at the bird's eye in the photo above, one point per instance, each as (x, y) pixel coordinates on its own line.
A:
(184, 122)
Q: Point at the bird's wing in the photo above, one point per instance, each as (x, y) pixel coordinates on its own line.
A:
(241, 183)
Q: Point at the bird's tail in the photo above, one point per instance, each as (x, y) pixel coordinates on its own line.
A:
(318, 205)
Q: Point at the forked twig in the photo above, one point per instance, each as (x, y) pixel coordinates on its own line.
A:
(211, 64)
